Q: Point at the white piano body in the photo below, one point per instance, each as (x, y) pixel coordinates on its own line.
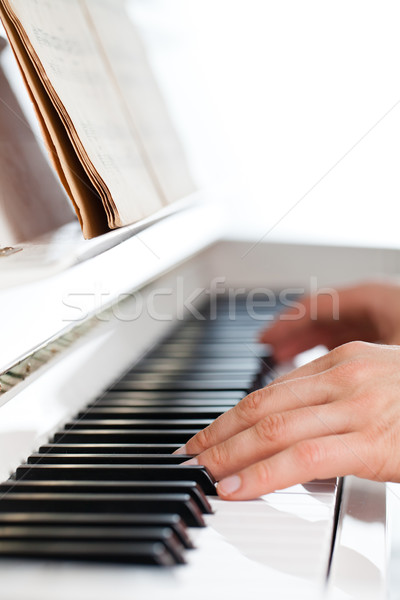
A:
(81, 312)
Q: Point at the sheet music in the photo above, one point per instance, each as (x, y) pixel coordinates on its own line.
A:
(144, 103)
(62, 38)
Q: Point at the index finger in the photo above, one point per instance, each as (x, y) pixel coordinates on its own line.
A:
(286, 395)
(319, 458)
(303, 316)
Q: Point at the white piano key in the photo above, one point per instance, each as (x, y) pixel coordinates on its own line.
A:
(302, 498)
(311, 487)
(261, 509)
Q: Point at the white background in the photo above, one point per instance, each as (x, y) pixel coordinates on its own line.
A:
(294, 85)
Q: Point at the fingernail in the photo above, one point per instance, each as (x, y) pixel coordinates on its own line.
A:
(229, 485)
(181, 450)
(191, 461)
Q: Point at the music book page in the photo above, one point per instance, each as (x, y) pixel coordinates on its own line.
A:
(143, 101)
(84, 197)
(102, 116)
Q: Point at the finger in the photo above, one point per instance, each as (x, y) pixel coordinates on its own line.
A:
(296, 340)
(305, 311)
(323, 309)
(313, 367)
(302, 391)
(326, 306)
(274, 398)
(281, 328)
(273, 434)
(327, 336)
(318, 308)
(317, 458)
(288, 347)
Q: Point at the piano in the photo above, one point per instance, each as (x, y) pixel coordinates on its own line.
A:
(113, 352)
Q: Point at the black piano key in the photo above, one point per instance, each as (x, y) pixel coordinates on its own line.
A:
(168, 399)
(66, 520)
(242, 310)
(190, 381)
(180, 352)
(215, 322)
(208, 379)
(123, 402)
(244, 385)
(138, 424)
(108, 448)
(143, 553)
(196, 473)
(105, 459)
(235, 321)
(216, 396)
(217, 350)
(168, 412)
(171, 365)
(245, 338)
(241, 335)
(224, 332)
(103, 535)
(224, 321)
(180, 504)
(129, 436)
(220, 346)
(109, 487)
(185, 374)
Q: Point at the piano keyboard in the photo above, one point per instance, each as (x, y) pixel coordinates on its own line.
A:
(107, 487)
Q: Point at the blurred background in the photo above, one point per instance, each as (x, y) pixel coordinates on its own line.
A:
(298, 100)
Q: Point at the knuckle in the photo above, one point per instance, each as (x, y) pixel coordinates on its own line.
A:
(337, 353)
(376, 432)
(353, 369)
(358, 346)
(262, 474)
(271, 428)
(218, 455)
(363, 401)
(204, 439)
(249, 406)
(308, 454)
(376, 464)
(350, 349)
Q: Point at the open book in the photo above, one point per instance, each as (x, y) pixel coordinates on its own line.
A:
(103, 118)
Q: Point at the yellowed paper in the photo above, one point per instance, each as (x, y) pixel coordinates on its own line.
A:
(78, 82)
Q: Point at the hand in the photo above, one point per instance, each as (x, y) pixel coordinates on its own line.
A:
(337, 415)
(369, 312)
